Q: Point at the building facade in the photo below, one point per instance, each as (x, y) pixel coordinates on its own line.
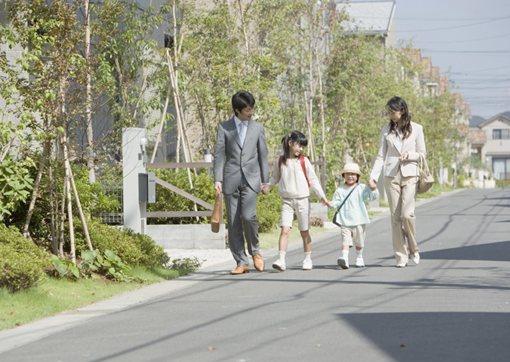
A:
(495, 153)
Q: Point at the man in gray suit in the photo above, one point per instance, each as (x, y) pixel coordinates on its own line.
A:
(241, 171)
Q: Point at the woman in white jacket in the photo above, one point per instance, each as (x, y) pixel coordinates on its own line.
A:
(402, 143)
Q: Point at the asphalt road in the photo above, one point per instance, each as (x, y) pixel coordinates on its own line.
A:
(453, 306)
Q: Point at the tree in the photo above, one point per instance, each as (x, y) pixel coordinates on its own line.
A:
(46, 97)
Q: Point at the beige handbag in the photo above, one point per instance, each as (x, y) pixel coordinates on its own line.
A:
(216, 214)
(426, 180)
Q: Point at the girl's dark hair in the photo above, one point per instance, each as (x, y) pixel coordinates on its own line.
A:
(397, 104)
(296, 137)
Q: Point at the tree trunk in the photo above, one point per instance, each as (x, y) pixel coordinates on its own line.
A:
(54, 213)
(70, 216)
(80, 210)
(62, 213)
(37, 184)
(243, 26)
(321, 111)
(88, 98)
(161, 126)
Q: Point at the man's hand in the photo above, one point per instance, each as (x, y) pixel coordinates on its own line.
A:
(265, 188)
(217, 187)
(372, 184)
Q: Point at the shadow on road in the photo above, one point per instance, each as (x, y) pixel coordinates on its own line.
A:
(443, 336)
(498, 251)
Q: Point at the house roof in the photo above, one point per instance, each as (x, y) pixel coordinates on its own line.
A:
(503, 117)
(369, 17)
(477, 136)
(474, 121)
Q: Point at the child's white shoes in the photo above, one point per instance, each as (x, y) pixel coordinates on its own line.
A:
(307, 264)
(360, 263)
(343, 263)
(279, 265)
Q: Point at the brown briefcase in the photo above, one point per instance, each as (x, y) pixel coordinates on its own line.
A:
(216, 214)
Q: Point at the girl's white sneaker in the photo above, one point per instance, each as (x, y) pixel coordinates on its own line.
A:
(279, 265)
(307, 264)
(360, 263)
(343, 263)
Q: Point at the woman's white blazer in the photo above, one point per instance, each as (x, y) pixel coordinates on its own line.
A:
(391, 148)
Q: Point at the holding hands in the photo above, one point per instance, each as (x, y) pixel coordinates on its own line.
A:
(326, 202)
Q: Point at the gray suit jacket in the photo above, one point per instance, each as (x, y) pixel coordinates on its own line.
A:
(390, 150)
(231, 160)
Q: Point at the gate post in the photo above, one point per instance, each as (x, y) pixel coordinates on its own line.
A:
(134, 159)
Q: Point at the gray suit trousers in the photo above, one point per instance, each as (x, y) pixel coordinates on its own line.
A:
(242, 222)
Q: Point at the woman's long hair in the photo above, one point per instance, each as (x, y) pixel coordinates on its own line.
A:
(397, 104)
(296, 137)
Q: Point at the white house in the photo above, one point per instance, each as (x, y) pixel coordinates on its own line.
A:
(496, 151)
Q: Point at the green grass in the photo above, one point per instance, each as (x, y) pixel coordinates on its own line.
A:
(52, 296)
(503, 183)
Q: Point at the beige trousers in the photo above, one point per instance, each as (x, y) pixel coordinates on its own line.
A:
(401, 193)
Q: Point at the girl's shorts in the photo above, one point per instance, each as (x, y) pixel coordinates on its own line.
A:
(301, 207)
(354, 235)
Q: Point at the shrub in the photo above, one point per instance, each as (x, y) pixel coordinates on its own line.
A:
(186, 265)
(132, 248)
(268, 210)
(108, 264)
(153, 254)
(63, 268)
(21, 261)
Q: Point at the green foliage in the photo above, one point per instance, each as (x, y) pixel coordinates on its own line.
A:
(21, 261)
(18, 271)
(93, 199)
(64, 268)
(125, 53)
(268, 210)
(15, 177)
(132, 248)
(503, 183)
(15, 186)
(185, 266)
(108, 264)
(153, 254)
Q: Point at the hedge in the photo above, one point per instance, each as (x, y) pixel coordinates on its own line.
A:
(21, 261)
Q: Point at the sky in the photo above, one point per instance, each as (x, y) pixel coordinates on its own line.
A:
(470, 42)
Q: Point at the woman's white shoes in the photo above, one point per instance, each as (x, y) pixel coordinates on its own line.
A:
(416, 258)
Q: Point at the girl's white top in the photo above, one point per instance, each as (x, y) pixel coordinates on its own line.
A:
(292, 182)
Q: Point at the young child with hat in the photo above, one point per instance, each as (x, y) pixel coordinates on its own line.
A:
(351, 198)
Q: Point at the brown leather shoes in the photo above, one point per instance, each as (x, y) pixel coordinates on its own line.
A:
(258, 262)
(240, 269)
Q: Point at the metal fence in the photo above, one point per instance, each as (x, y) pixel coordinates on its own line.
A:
(113, 217)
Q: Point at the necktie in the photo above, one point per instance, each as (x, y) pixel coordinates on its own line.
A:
(242, 132)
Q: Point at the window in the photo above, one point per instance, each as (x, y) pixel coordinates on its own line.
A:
(501, 134)
(501, 168)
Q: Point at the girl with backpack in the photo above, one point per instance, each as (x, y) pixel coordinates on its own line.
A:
(295, 176)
